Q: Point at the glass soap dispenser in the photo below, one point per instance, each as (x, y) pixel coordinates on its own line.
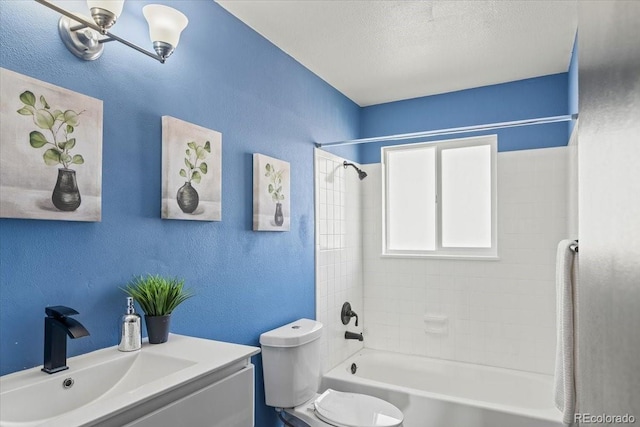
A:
(130, 329)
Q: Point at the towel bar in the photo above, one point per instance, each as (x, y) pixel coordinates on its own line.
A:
(574, 246)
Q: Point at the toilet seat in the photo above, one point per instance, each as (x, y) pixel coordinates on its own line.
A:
(356, 410)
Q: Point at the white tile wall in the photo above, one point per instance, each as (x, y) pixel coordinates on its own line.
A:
(499, 313)
(338, 254)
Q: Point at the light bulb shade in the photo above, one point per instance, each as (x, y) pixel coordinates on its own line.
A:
(165, 23)
(113, 6)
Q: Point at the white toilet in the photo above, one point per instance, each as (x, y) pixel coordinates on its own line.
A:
(291, 369)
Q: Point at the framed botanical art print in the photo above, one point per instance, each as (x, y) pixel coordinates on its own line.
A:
(50, 151)
(191, 171)
(271, 194)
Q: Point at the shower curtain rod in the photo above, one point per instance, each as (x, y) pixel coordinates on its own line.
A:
(452, 131)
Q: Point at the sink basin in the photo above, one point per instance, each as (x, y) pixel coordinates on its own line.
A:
(49, 396)
(106, 382)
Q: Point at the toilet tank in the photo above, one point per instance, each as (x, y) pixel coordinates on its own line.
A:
(291, 363)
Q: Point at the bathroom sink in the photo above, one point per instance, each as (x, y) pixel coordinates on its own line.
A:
(100, 384)
(46, 396)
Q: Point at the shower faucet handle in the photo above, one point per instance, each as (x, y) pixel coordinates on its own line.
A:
(347, 314)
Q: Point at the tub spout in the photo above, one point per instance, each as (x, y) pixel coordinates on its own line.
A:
(353, 336)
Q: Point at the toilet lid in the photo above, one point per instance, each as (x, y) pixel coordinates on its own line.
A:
(356, 410)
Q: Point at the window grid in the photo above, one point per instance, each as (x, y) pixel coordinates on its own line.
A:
(440, 251)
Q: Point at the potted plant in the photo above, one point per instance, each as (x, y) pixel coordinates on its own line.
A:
(158, 297)
(60, 125)
(187, 196)
(275, 189)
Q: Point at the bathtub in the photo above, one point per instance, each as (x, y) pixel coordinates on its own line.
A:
(441, 393)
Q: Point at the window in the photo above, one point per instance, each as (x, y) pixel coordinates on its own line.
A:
(440, 198)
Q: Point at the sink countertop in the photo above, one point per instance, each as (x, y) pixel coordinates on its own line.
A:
(199, 358)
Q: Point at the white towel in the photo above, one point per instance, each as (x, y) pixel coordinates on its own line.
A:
(565, 389)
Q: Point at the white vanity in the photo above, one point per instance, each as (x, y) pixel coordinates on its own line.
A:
(184, 382)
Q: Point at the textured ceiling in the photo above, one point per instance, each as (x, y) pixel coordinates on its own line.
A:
(382, 51)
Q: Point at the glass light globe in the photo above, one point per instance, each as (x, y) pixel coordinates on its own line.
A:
(113, 6)
(165, 23)
(105, 12)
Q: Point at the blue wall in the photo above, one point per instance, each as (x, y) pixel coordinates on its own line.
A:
(223, 76)
(523, 99)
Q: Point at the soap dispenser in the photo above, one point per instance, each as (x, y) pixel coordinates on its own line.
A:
(130, 329)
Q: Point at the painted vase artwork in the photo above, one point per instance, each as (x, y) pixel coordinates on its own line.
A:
(187, 196)
(51, 155)
(191, 171)
(271, 194)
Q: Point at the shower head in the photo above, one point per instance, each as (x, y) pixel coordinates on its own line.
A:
(361, 174)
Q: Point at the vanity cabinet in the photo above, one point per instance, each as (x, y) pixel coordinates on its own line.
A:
(226, 403)
(187, 381)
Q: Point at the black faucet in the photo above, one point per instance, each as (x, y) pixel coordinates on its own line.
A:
(353, 336)
(57, 324)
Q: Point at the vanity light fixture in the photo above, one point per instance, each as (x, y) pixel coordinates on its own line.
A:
(85, 37)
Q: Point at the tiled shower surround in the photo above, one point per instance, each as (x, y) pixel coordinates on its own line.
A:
(499, 313)
(338, 254)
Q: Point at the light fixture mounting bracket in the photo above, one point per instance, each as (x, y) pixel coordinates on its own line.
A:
(83, 43)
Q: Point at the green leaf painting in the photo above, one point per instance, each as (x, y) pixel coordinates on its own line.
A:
(44, 119)
(192, 171)
(28, 98)
(44, 102)
(275, 185)
(271, 193)
(37, 139)
(195, 167)
(52, 157)
(57, 124)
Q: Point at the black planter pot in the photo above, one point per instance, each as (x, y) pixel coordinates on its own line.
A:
(157, 328)
(66, 196)
(278, 218)
(188, 198)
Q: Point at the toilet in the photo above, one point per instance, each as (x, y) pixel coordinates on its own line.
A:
(291, 370)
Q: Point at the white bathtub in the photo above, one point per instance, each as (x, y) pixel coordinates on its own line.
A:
(441, 393)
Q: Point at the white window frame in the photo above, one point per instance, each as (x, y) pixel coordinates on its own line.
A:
(448, 252)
